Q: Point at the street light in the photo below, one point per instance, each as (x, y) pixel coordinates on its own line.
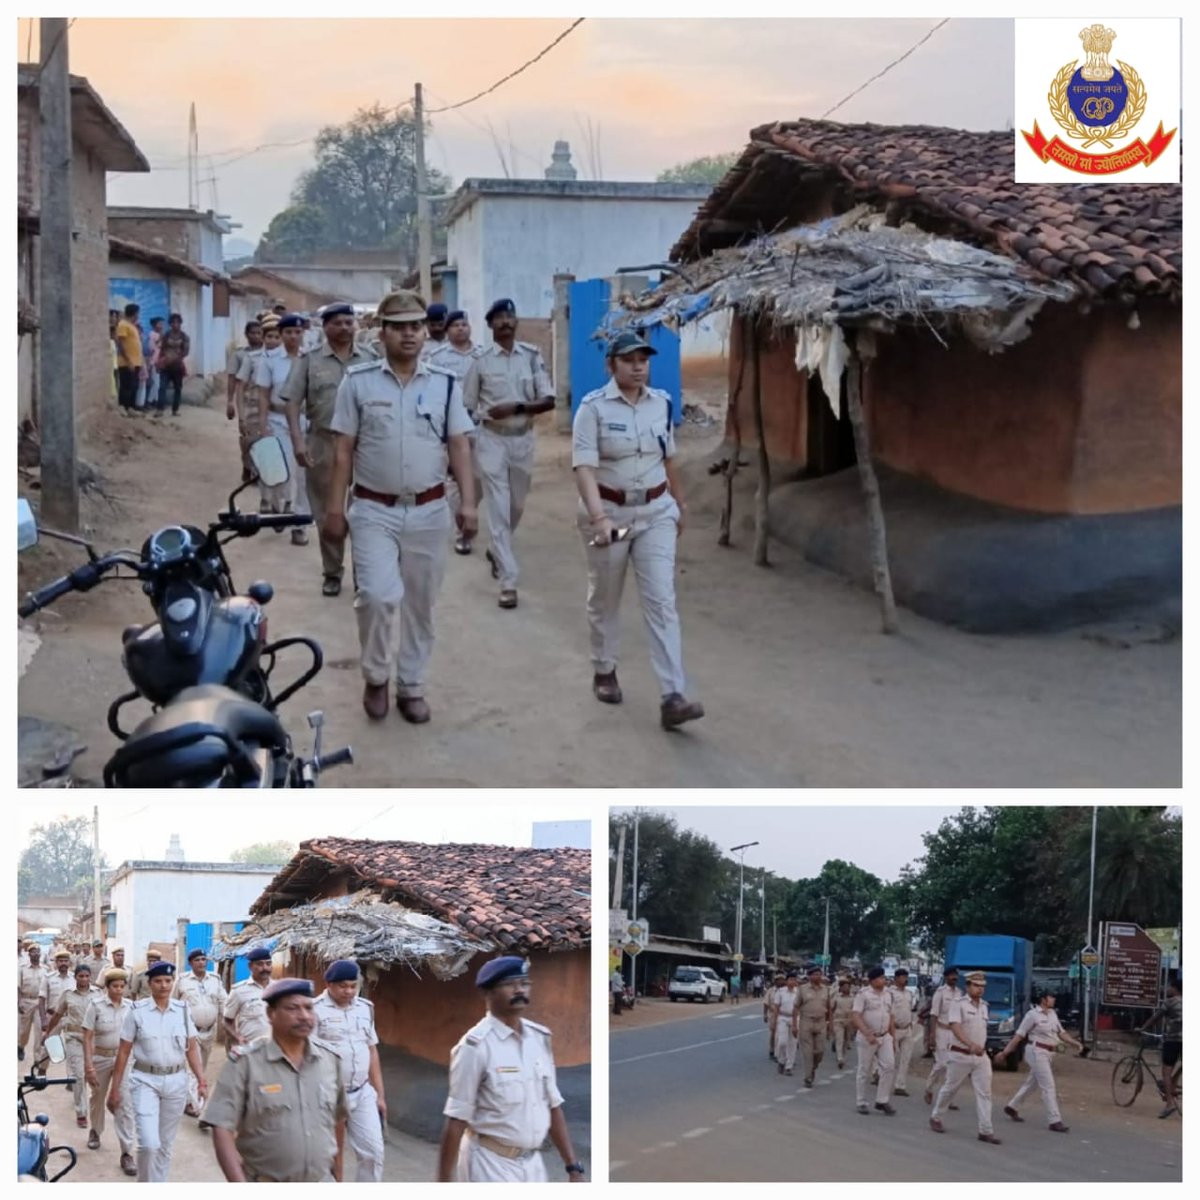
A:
(825, 951)
(741, 883)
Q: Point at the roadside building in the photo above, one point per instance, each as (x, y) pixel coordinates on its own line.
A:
(279, 286)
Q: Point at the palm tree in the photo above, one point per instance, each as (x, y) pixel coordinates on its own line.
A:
(1139, 865)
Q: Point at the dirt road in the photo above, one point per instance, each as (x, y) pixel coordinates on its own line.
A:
(800, 687)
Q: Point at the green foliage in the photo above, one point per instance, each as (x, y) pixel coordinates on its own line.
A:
(293, 234)
(270, 853)
(710, 169)
(58, 860)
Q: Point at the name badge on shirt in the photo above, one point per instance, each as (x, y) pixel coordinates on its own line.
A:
(508, 1070)
(615, 428)
(270, 1089)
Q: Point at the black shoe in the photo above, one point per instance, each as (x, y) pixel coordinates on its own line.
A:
(495, 566)
(332, 586)
(886, 1108)
(20, 1054)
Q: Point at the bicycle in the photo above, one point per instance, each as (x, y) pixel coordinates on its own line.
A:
(1130, 1072)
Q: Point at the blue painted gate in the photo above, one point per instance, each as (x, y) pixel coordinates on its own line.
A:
(200, 937)
(590, 305)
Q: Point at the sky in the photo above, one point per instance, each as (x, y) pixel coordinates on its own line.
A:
(656, 92)
(797, 842)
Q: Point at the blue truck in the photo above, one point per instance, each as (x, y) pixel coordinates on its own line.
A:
(1008, 962)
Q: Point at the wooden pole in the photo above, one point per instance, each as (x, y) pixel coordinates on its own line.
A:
(561, 327)
(762, 495)
(870, 487)
(56, 344)
(424, 232)
(731, 464)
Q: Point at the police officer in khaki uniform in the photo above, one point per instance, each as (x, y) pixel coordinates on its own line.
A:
(458, 354)
(400, 422)
(504, 1097)
(1041, 1032)
(97, 964)
(816, 1016)
(245, 1012)
(843, 1003)
(158, 1045)
(939, 1016)
(205, 996)
(769, 997)
(310, 392)
(787, 1024)
(102, 1025)
(507, 386)
(71, 1009)
(31, 1001)
(624, 445)
(61, 980)
(139, 985)
(906, 1029)
(968, 1058)
(277, 1106)
(346, 1022)
(872, 1015)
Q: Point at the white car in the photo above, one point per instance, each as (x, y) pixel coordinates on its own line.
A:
(697, 983)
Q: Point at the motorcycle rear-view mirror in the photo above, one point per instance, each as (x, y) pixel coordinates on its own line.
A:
(27, 530)
(270, 462)
(55, 1050)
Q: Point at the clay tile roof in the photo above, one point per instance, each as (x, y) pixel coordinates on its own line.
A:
(954, 182)
(518, 898)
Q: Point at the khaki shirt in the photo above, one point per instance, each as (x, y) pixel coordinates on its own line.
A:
(247, 1010)
(876, 1008)
(160, 1037)
(902, 1007)
(507, 377)
(32, 985)
(315, 378)
(56, 985)
(786, 1002)
(284, 1118)
(205, 998)
(96, 965)
(504, 1084)
(972, 1017)
(72, 1007)
(814, 1002)
(842, 1006)
(350, 1032)
(400, 429)
(625, 443)
(1041, 1025)
(106, 1020)
(943, 999)
(459, 361)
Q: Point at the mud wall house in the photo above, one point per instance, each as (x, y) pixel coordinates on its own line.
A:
(358, 276)
(1035, 486)
(100, 143)
(54, 912)
(275, 283)
(421, 920)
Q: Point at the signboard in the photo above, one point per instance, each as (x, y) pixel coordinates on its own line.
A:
(1167, 940)
(738, 957)
(711, 933)
(636, 937)
(1088, 958)
(1132, 966)
(618, 918)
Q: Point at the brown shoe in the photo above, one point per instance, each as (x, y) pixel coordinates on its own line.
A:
(936, 1125)
(128, 1165)
(1059, 1127)
(900, 1092)
(375, 700)
(1009, 1111)
(508, 598)
(990, 1138)
(94, 1140)
(677, 709)
(413, 709)
(606, 688)
(190, 1110)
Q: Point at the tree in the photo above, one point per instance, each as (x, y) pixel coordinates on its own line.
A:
(271, 853)
(362, 187)
(859, 923)
(711, 169)
(58, 860)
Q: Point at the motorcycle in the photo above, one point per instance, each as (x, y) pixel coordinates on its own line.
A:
(33, 1141)
(205, 665)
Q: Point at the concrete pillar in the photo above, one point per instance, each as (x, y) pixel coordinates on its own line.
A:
(561, 322)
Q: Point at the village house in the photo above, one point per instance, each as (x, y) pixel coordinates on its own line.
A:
(1025, 427)
(100, 143)
(280, 287)
(421, 920)
(356, 276)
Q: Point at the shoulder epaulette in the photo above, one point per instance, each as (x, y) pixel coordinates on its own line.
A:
(529, 346)
(437, 368)
(368, 1003)
(598, 394)
(358, 368)
(539, 1028)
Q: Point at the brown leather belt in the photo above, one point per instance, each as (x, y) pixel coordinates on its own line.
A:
(908, 1026)
(961, 1050)
(617, 496)
(408, 499)
(501, 1148)
(1043, 1046)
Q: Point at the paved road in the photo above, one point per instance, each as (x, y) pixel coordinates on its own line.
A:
(698, 1099)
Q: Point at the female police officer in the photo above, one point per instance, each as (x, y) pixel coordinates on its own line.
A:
(623, 451)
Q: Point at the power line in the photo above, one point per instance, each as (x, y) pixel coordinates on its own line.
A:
(513, 74)
(880, 74)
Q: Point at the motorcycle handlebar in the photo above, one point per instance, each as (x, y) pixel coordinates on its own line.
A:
(247, 524)
(334, 759)
(81, 579)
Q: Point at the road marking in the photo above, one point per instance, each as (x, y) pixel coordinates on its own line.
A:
(751, 1017)
(666, 1145)
(616, 1166)
(761, 1107)
(822, 1083)
(729, 1120)
(617, 1062)
(725, 1016)
(781, 1099)
(695, 1133)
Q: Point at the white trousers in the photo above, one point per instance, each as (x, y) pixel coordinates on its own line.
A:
(785, 1044)
(879, 1057)
(841, 1035)
(904, 1048)
(291, 496)
(158, 1104)
(651, 548)
(1041, 1075)
(399, 557)
(477, 1164)
(960, 1068)
(365, 1134)
(506, 471)
(205, 1040)
(123, 1121)
(941, 1054)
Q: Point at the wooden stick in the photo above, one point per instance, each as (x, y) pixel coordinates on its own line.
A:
(870, 487)
(731, 464)
(761, 507)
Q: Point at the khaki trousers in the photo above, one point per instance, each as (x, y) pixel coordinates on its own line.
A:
(941, 1054)
(477, 1164)
(73, 1044)
(785, 1044)
(840, 1039)
(318, 476)
(960, 1068)
(27, 1019)
(904, 1050)
(98, 1114)
(399, 556)
(813, 1031)
(506, 471)
(205, 1040)
(1041, 1075)
(879, 1057)
(651, 548)
(158, 1103)
(365, 1134)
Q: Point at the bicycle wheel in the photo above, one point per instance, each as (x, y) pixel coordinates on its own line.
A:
(1178, 1078)
(1127, 1081)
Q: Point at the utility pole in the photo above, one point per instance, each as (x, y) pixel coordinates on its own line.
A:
(1087, 974)
(762, 923)
(424, 232)
(619, 876)
(193, 161)
(633, 899)
(741, 852)
(825, 948)
(98, 932)
(56, 353)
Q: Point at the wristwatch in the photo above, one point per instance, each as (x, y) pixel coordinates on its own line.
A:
(575, 1168)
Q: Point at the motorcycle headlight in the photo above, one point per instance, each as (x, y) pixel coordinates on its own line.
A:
(1008, 1025)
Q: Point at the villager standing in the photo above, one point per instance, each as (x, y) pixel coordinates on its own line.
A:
(906, 1029)
(205, 996)
(624, 447)
(71, 1009)
(102, 1025)
(968, 1058)
(173, 351)
(131, 365)
(872, 1014)
(816, 1017)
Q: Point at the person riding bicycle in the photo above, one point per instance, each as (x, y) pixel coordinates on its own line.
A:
(1170, 1012)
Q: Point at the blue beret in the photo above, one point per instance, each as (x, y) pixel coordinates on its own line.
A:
(336, 310)
(197, 953)
(500, 969)
(501, 306)
(292, 321)
(626, 342)
(342, 971)
(287, 987)
(160, 968)
(435, 312)
(456, 315)
(258, 954)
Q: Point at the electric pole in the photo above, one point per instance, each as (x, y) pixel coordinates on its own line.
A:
(56, 353)
(98, 932)
(424, 232)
